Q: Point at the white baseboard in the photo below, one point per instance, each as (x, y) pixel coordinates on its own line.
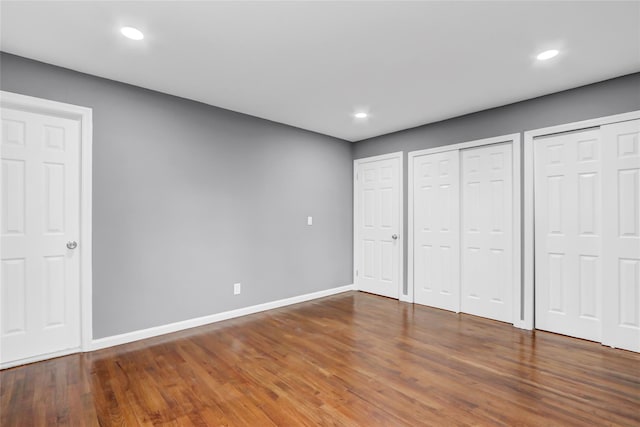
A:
(205, 320)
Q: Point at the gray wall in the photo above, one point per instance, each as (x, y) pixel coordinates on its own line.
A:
(614, 96)
(189, 198)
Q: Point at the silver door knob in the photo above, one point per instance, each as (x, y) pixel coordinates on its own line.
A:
(72, 245)
(394, 237)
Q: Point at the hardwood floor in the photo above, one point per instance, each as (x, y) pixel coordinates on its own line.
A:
(353, 359)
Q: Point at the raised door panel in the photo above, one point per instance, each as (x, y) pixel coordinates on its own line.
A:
(54, 291)
(13, 131)
(622, 235)
(436, 230)
(54, 197)
(14, 298)
(13, 197)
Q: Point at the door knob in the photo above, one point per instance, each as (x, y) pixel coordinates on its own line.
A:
(394, 237)
(72, 245)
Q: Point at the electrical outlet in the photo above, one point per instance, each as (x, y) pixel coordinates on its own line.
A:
(309, 220)
(236, 288)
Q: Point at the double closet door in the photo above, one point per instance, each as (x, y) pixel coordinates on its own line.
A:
(463, 208)
(587, 234)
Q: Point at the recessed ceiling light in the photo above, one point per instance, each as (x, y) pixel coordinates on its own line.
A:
(547, 54)
(132, 33)
(361, 115)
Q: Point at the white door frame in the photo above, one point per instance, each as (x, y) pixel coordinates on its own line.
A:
(356, 217)
(514, 140)
(84, 116)
(529, 219)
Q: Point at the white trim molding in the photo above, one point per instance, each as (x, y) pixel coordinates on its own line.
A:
(84, 116)
(528, 321)
(510, 138)
(356, 209)
(213, 318)
(515, 141)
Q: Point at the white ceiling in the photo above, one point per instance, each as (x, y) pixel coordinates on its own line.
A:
(312, 64)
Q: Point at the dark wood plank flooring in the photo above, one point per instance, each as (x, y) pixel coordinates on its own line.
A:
(352, 359)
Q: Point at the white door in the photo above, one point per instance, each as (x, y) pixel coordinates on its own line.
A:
(621, 268)
(487, 232)
(436, 247)
(568, 233)
(378, 207)
(40, 296)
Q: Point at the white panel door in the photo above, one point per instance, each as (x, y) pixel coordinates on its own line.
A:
(40, 296)
(487, 232)
(436, 218)
(568, 234)
(378, 208)
(621, 269)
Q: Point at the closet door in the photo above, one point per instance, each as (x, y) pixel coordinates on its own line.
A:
(568, 233)
(436, 247)
(487, 232)
(621, 198)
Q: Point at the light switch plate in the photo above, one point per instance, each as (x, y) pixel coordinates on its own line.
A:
(236, 288)
(309, 220)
